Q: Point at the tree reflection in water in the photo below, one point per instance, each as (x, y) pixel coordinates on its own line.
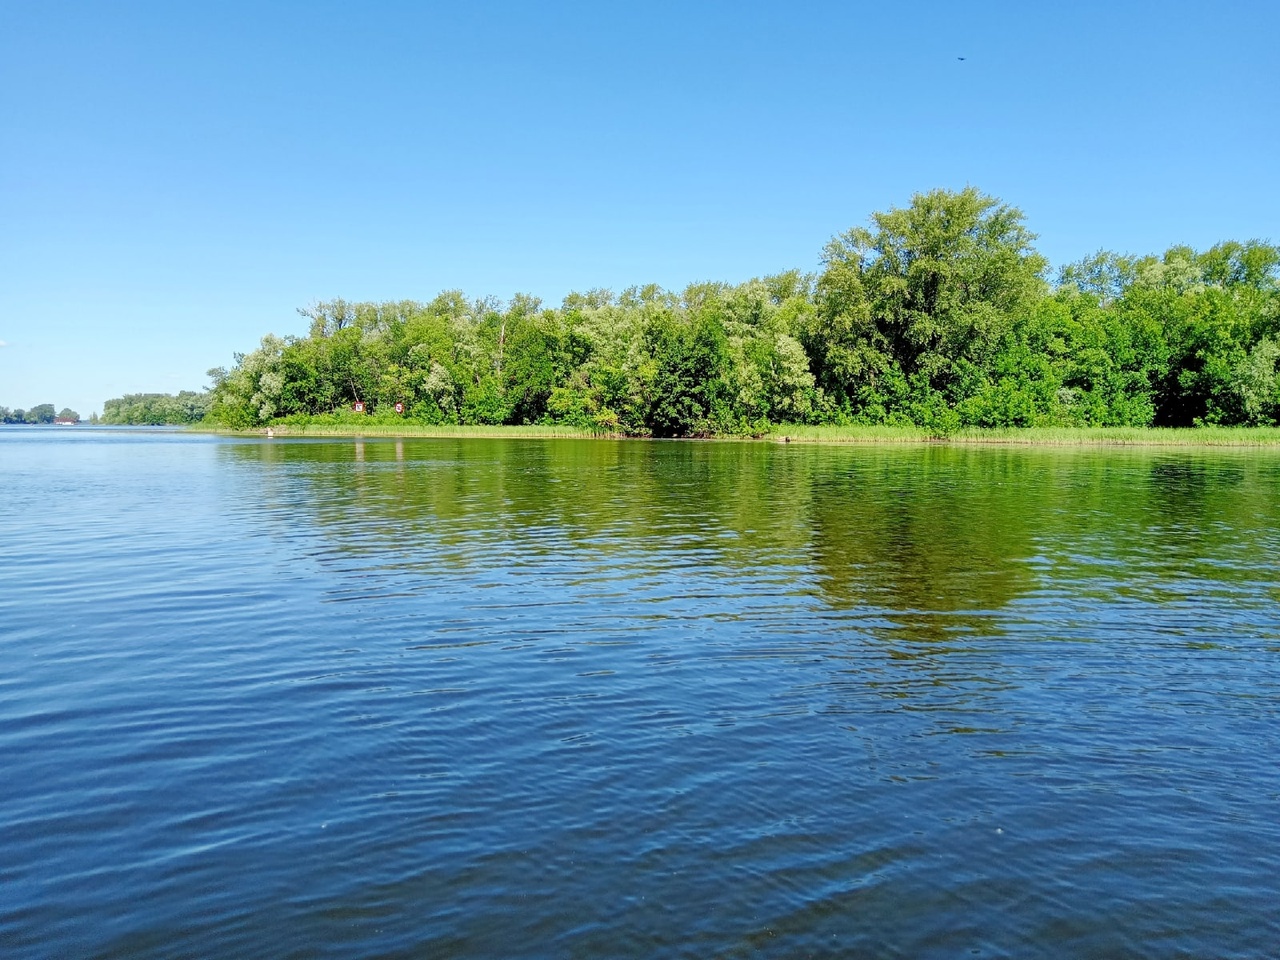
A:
(923, 553)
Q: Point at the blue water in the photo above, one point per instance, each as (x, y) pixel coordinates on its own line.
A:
(480, 698)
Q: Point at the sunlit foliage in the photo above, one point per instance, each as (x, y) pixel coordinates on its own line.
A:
(156, 408)
(940, 315)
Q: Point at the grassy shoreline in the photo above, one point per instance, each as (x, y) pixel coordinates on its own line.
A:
(797, 433)
(407, 430)
(1044, 436)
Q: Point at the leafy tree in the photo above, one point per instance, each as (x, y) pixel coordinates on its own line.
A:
(686, 386)
(1105, 275)
(1214, 309)
(931, 285)
(539, 360)
(1254, 385)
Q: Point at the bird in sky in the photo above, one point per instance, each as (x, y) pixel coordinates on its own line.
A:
(959, 58)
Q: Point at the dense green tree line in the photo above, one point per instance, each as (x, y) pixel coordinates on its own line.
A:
(41, 413)
(940, 314)
(155, 409)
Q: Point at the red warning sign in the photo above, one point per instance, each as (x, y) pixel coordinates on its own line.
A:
(358, 406)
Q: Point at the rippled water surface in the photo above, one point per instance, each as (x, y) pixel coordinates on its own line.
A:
(475, 698)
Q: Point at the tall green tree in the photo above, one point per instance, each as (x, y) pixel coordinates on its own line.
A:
(41, 413)
(925, 289)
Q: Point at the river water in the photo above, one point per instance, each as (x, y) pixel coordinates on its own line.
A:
(479, 698)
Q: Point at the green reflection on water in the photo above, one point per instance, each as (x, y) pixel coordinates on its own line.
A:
(933, 538)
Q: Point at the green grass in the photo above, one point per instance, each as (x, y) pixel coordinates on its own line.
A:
(858, 433)
(800, 433)
(1040, 436)
(420, 430)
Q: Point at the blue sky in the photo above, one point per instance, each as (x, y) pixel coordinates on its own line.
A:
(176, 179)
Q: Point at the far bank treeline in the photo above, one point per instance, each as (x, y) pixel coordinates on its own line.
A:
(188, 406)
(40, 413)
(940, 315)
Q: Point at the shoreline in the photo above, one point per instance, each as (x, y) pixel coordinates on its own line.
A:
(1193, 437)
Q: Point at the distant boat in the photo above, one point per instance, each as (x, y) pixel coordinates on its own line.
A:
(65, 421)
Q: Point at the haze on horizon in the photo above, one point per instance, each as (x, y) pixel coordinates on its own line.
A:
(176, 182)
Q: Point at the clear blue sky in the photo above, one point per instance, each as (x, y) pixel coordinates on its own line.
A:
(175, 179)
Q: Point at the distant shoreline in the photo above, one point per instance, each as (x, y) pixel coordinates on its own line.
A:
(1250, 437)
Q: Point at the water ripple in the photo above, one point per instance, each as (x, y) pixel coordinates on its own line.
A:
(595, 699)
